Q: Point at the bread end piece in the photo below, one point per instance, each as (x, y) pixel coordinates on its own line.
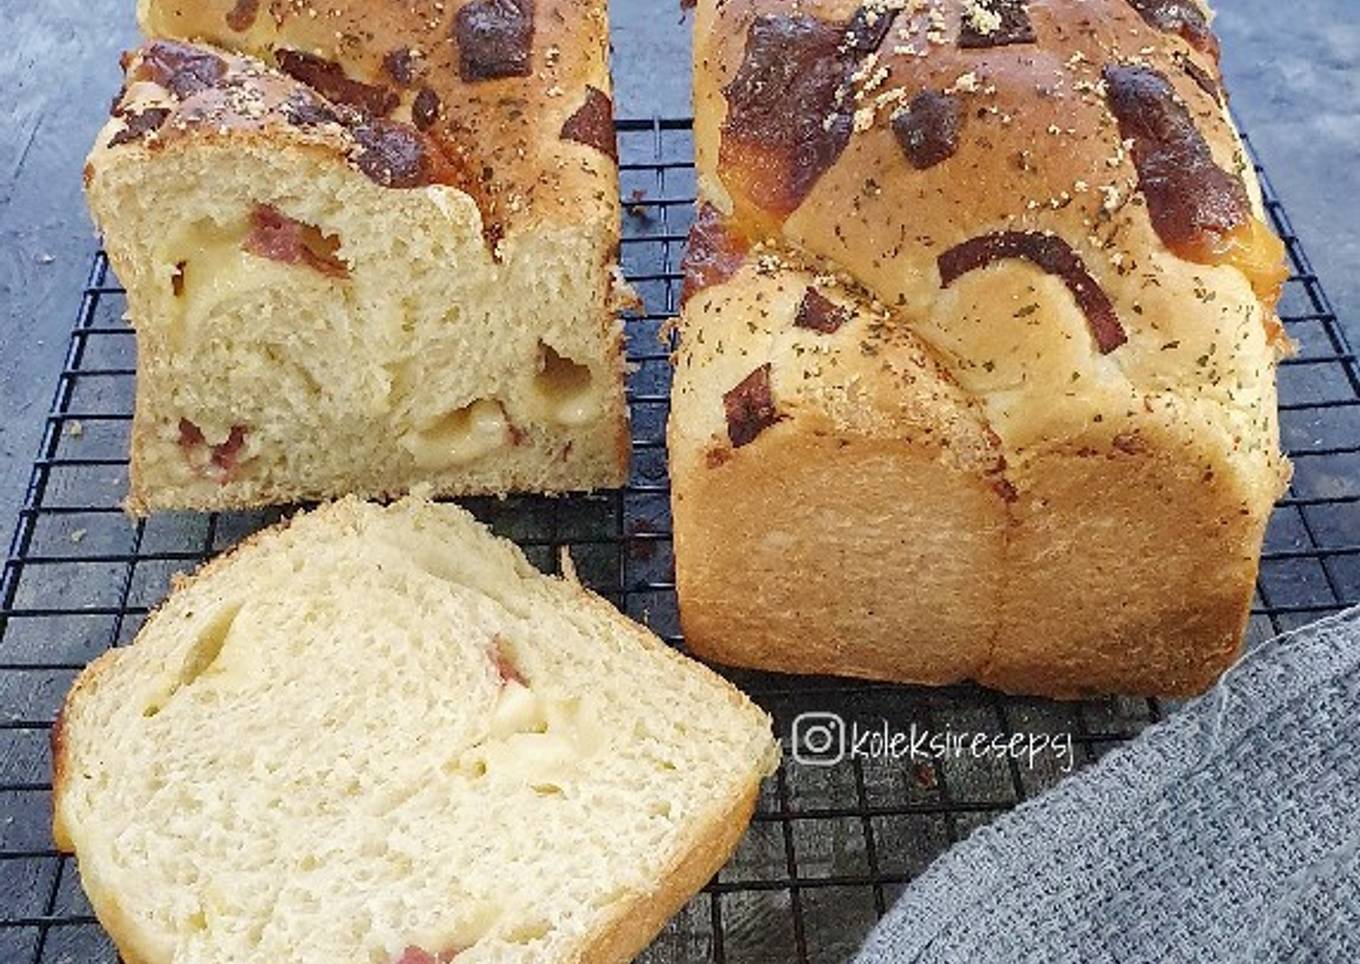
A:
(325, 303)
(843, 505)
(995, 189)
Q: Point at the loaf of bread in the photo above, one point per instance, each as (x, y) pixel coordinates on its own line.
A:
(367, 246)
(977, 366)
(379, 735)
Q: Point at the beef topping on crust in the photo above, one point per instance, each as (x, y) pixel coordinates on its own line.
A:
(425, 109)
(1052, 254)
(593, 123)
(276, 236)
(140, 125)
(996, 23)
(303, 109)
(1005, 489)
(403, 65)
(866, 30)
(495, 39)
(395, 155)
(242, 16)
(820, 313)
(1200, 76)
(713, 254)
(1183, 17)
(928, 128)
(1194, 204)
(750, 407)
(329, 80)
(179, 68)
(789, 114)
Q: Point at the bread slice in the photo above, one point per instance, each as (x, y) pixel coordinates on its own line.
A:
(331, 302)
(378, 735)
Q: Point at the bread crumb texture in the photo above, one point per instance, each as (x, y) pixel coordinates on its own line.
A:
(377, 735)
(367, 249)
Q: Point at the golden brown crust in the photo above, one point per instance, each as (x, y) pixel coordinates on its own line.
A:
(1128, 570)
(852, 578)
(637, 922)
(793, 549)
(1038, 148)
(507, 130)
(103, 901)
(177, 93)
(1053, 203)
(60, 836)
(879, 524)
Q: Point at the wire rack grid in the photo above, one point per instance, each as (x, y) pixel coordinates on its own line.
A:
(830, 846)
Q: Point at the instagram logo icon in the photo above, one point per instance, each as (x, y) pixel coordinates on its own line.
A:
(818, 739)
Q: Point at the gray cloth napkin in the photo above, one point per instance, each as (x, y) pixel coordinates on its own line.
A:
(1228, 833)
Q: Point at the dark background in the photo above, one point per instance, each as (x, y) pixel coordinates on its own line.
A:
(1293, 69)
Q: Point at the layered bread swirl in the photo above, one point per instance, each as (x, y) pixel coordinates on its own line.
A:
(976, 376)
(379, 735)
(367, 246)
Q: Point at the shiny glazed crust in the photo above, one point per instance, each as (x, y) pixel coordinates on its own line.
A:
(1034, 507)
(506, 129)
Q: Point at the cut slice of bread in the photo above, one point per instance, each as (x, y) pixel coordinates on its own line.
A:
(378, 735)
(326, 303)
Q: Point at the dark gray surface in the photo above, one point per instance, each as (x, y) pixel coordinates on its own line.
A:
(1292, 68)
(56, 80)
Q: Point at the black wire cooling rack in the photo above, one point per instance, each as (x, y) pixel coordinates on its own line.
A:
(831, 845)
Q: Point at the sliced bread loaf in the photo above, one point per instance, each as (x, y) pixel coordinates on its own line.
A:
(330, 302)
(380, 735)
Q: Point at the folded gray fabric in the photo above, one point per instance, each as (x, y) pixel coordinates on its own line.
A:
(1230, 832)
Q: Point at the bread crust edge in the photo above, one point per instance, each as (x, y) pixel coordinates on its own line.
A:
(643, 916)
(619, 938)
